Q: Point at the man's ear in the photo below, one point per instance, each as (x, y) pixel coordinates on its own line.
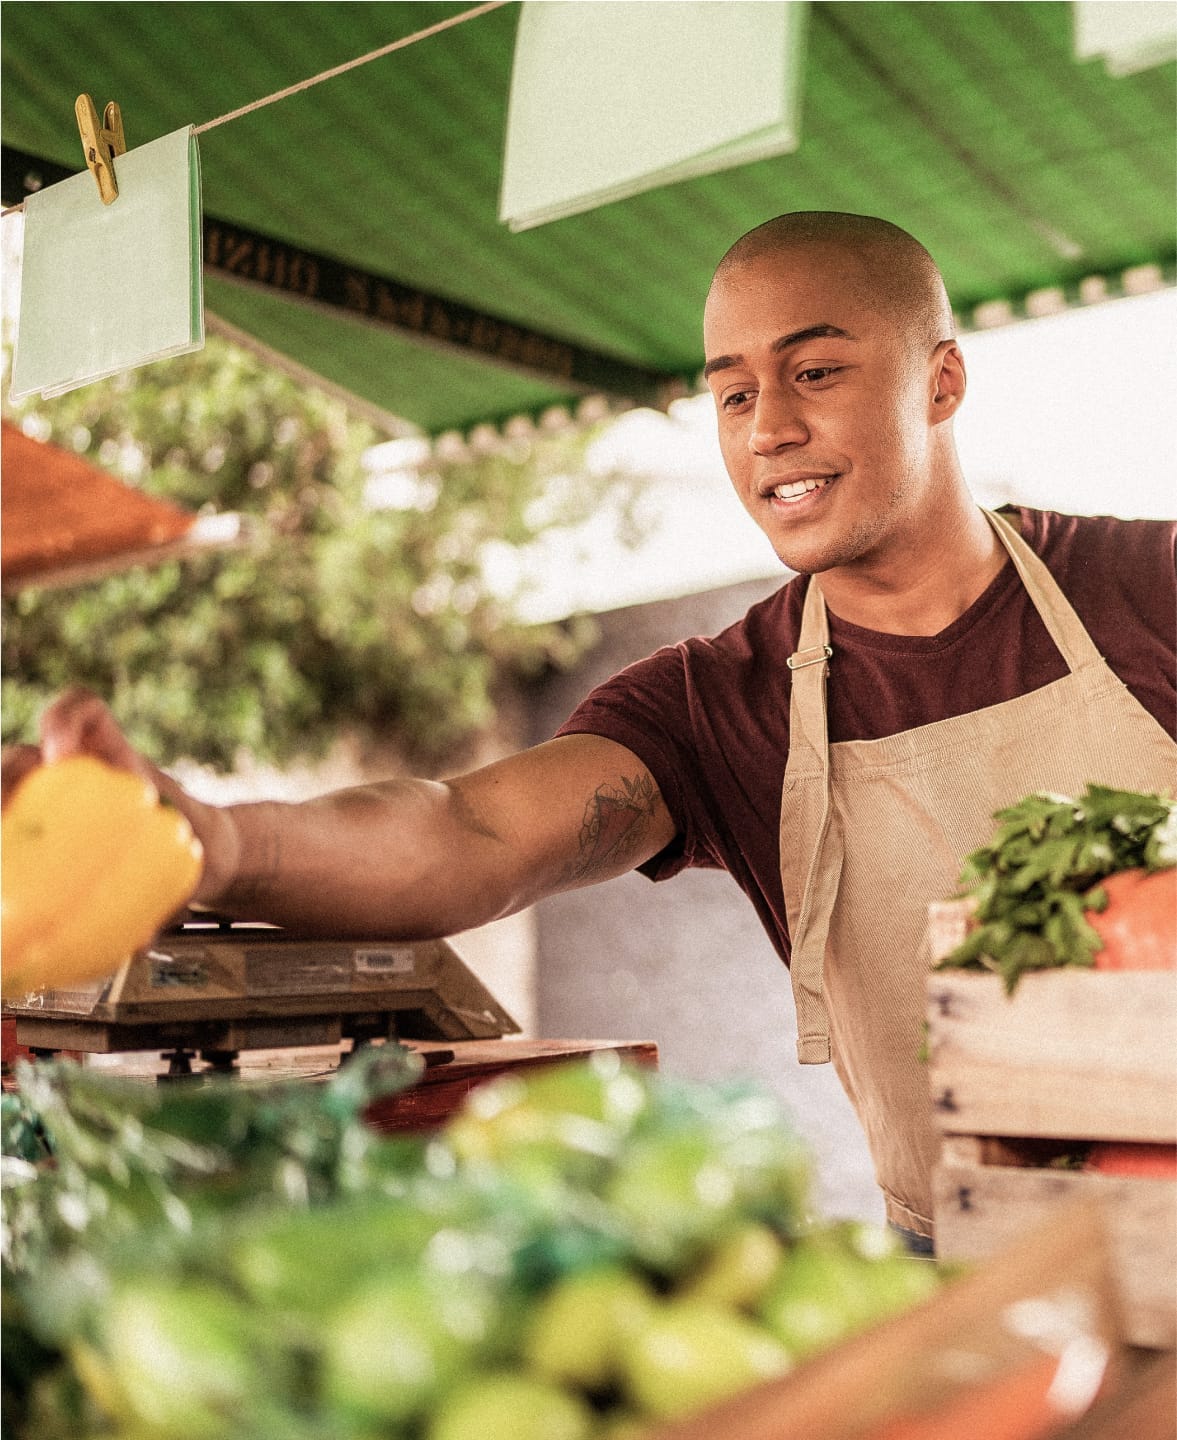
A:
(950, 381)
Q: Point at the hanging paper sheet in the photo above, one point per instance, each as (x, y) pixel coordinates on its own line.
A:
(1131, 35)
(107, 287)
(608, 100)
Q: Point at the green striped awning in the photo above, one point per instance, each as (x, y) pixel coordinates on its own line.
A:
(973, 125)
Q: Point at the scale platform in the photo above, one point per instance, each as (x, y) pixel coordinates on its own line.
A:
(215, 987)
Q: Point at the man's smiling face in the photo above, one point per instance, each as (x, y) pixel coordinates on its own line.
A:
(824, 399)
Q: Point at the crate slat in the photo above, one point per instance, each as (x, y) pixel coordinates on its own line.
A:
(982, 1209)
(1072, 1054)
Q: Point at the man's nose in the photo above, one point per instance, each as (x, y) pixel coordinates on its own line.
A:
(777, 423)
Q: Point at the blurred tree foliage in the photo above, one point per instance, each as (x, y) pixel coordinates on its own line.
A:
(336, 615)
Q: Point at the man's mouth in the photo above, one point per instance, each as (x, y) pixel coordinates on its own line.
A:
(790, 491)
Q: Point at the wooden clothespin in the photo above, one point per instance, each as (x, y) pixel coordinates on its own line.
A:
(101, 143)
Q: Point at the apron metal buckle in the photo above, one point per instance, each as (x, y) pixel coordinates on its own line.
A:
(816, 654)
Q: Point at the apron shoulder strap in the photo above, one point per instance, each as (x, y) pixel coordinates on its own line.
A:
(809, 757)
(808, 667)
(1062, 624)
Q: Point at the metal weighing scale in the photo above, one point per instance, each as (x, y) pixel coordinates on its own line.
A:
(211, 988)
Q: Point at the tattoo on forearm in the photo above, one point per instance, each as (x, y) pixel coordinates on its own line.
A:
(615, 820)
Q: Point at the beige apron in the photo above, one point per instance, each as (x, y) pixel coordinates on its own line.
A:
(872, 830)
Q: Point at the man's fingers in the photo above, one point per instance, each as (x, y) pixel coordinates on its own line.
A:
(15, 764)
(75, 723)
(78, 723)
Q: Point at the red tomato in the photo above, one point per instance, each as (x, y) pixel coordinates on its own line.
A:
(1129, 1157)
(1139, 926)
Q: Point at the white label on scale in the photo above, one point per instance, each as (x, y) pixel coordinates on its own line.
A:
(397, 960)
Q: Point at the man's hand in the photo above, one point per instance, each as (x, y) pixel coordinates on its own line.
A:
(15, 764)
(77, 722)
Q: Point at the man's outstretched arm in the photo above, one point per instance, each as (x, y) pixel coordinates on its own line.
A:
(407, 858)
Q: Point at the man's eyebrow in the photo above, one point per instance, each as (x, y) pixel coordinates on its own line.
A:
(784, 342)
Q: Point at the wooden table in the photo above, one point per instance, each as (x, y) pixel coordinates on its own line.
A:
(445, 1082)
(452, 1069)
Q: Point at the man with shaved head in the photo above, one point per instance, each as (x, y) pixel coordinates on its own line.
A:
(885, 334)
(840, 749)
(887, 264)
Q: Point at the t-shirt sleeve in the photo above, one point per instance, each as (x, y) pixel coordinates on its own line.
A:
(644, 707)
(1121, 577)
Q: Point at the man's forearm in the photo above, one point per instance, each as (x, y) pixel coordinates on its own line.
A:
(383, 859)
(401, 858)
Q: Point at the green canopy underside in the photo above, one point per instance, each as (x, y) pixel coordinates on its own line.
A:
(970, 124)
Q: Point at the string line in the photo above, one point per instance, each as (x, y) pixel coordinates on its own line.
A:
(400, 44)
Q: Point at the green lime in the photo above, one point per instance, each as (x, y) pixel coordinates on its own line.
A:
(502, 1405)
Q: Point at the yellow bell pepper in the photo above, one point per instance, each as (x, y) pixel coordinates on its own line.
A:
(92, 864)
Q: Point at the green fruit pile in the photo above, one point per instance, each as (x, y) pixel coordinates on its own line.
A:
(584, 1252)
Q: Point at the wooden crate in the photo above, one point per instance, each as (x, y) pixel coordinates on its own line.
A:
(1017, 1081)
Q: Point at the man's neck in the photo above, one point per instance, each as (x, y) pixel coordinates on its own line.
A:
(923, 590)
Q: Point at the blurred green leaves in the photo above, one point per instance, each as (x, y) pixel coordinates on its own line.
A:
(336, 616)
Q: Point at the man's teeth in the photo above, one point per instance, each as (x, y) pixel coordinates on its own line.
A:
(800, 487)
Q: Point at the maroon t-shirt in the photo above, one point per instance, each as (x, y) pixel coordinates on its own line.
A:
(709, 717)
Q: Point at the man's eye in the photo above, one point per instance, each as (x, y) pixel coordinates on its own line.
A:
(736, 398)
(817, 372)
